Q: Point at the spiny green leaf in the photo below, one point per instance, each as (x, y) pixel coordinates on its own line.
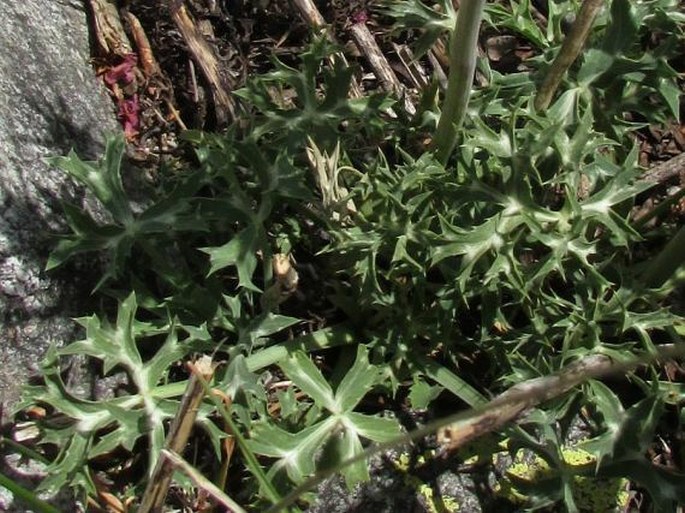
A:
(356, 383)
(240, 252)
(103, 179)
(374, 428)
(422, 394)
(305, 375)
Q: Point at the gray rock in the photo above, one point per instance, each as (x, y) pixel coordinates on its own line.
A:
(400, 488)
(50, 102)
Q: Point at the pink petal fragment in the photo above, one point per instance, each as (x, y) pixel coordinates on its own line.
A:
(122, 72)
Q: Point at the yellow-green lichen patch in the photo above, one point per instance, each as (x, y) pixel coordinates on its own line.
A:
(591, 494)
(425, 492)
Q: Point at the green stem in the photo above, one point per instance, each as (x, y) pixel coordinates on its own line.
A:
(251, 461)
(570, 49)
(325, 338)
(667, 262)
(463, 54)
(26, 496)
(660, 210)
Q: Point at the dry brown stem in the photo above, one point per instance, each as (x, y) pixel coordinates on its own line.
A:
(665, 171)
(310, 13)
(108, 31)
(520, 398)
(219, 82)
(177, 437)
(145, 56)
(570, 49)
(367, 45)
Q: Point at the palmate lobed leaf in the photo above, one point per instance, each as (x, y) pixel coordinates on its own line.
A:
(356, 384)
(306, 376)
(295, 452)
(117, 236)
(339, 447)
(339, 434)
(96, 428)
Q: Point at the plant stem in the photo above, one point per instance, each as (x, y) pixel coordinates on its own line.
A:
(201, 481)
(462, 55)
(570, 49)
(28, 497)
(179, 432)
(667, 262)
(251, 462)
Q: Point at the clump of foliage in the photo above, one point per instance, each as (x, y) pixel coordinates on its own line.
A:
(438, 272)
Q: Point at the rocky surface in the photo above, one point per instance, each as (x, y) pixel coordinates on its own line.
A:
(51, 101)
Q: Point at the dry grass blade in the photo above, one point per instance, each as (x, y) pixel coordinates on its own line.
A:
(412, 68)
(179, 432)
(200, 481)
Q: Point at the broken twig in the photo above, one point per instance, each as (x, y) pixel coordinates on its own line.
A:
(145, 56)
(108, 31)
(570, 49)
(219, 82)
(367, 45)
(179, 432)
(665, 171)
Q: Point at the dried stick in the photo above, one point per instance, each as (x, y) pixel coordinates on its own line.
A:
(660, 173)
(202, 53)
(570, 49)
(367, 45)
(313, 16)
(310, 13)
(667, 170)
(178, 435)
(109, 33)
(145, 55)
(200, 481)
